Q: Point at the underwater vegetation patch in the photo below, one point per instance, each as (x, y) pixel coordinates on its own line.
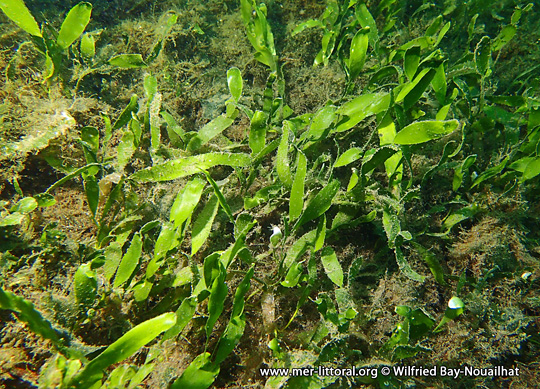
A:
(269, 194)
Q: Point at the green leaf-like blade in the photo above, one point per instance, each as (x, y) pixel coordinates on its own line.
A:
(420, 132)
(16, 10)
(491, 172)
(282, 158)
(125, 150)
(183, 315)
(505, 36)
(203, 224)
(13, 219)
(28, 314)
(216, 301)
(123, 348)
(531, 170)
(257, 132)
(413, 90)
(164, 30)
(348, 157)
(88, 46)
(411, 61)
(439, 84)
(366, 20)
(371, 161)
(305, 25)
(128, 61)
(187, 166)
(320, 124)
(261, 196)
(332, 266)
(91, 189)
(230, 338)
(406, 268)
(293, 275)
(319, 204)
(432, 262)
(74, 24)
(166, 241)
(85, 285)
(129, 261)
(200, 374)
(299, 248)
(482, 55)
(25, 205)
(209, 131)
(457, 217)
(186, 201)
(296, 202)
(222, 200)
(126, 115)
(460, 171)
(235, 83)
(320, 234)
(359, 46)
(360, 108)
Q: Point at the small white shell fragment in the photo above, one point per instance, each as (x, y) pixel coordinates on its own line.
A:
(455, 303)
(276, 236)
